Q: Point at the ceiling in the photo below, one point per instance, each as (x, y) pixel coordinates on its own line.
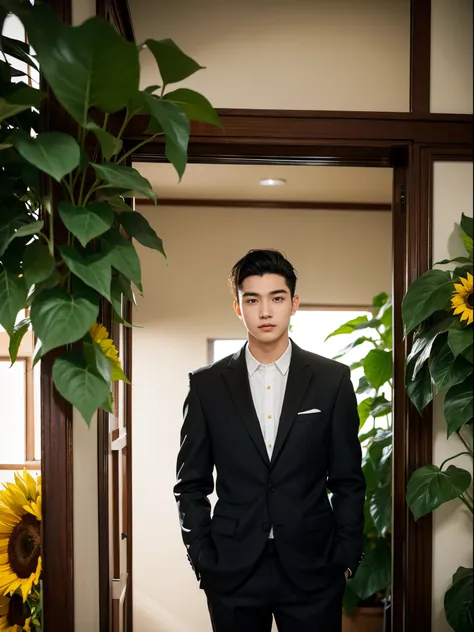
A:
(241, 182)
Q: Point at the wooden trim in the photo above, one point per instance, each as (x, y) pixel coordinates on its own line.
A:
(420, 57)
(117, 12)
(30, 465)
(268, 204)
(320, 135)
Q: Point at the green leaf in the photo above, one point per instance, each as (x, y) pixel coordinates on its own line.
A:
(363, 409)
(367, 435)
(424, 341)
(93, 269)
(467, 241)
(386, 337)
(26, 230)
(26, 95)
(381, 509)
(468, 354)
(175, 124)
(86, 222)
(123, 256)
(118, 374)
(194, 105)
(458, 406)
(387, 317)
(126, 178)
(38, 264)
(380, 407)
(458, 600)
(427, 294)
(364, 386)
(467, 225)
(459, 337)
(174, 65)
(8, 109)
(110, 145)
(378, 367)
(59, 318)
(350, 600)
(16, 337)
(52, 152)
(353, 345)
(138, 227)
(108, 405)
(455, 260)
(13, 294)
(78, 385)
(97, 361)
(429, 487)
(419, 389)
(445, 369)
(105, 71)
(374, 572)
(122, 284)
(380, 299)
(12, 218)
(348, 327)
(117, 203)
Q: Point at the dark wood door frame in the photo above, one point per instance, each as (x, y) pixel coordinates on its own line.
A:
(408, 142)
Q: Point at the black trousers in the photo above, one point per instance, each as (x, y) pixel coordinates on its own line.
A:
(268, 592)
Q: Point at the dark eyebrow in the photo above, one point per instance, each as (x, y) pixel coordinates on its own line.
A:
(273, 292)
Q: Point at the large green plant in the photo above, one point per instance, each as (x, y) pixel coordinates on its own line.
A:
(61, 254)
(438, 309)
(372, 578)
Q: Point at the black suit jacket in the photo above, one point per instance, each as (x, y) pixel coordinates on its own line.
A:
(314, 538)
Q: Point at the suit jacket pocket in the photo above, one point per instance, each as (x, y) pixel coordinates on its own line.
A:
(224, 525)
(321, 522)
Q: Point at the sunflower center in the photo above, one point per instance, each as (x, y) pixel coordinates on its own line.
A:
(469, 300)
(16, 611)
(24, 546)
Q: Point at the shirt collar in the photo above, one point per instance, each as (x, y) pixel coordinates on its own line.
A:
(282, 364)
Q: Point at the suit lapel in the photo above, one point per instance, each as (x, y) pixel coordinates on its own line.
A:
(299, 377)
(236, 377)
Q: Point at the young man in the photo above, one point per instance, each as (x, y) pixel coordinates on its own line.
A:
(280, 425)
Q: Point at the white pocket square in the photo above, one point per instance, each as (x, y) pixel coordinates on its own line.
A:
(307, 412)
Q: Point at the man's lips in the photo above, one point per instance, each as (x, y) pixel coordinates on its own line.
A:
(266, 326)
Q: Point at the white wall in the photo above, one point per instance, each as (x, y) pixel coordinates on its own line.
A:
(341, 257)
(287, 54)
(451, 56)
(452, 526)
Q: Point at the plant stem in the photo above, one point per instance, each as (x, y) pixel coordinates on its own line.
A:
(451, 458)
(465, 443)
(467, 503)
(124, 124)
(51, 220)
(147, 140)
(69, 190)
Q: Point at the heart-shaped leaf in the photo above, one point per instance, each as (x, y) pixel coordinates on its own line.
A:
(79, 385)
(459, 337)
(427, 294)
(348, 327)
(194, 105)
(139, 228)
(459, 601)
(174, 65)
(363, 410)
(105, 71)
(59, 318)
(419, 389)
(86, 222)
(175, 124)
(378, 367)
(445, 369)
(458, 405)
(97, 361)
(93, 269)
(17, 336)
(12, 218)
(8, 109)
(374, 572)
(381, 509)
(424, 341)
(467, 225)
(54, 153)
(13, 294)
(429, 487)
(126, 178)
(110, 145)
(38, 264)
(123, 256)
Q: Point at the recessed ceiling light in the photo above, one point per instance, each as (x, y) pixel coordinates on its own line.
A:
(272, 182)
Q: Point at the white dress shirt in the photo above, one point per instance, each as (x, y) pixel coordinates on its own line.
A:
(268, 385)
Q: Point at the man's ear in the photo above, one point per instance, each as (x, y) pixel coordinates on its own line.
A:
(237, 309)
(295, 304)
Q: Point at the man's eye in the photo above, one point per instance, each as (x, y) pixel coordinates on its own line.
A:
(252, 300)
(278, 298)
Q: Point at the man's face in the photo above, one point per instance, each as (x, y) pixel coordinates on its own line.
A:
(265, 306)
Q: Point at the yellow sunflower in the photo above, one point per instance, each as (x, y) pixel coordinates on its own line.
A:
(20, 535)
(101, 336)
(462, 300)
(13, 614)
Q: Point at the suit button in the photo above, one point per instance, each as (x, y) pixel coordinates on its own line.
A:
(271, 488)
(266, 526)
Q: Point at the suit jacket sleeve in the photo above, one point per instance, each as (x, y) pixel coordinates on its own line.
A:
(195, 482)
(345, 477)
